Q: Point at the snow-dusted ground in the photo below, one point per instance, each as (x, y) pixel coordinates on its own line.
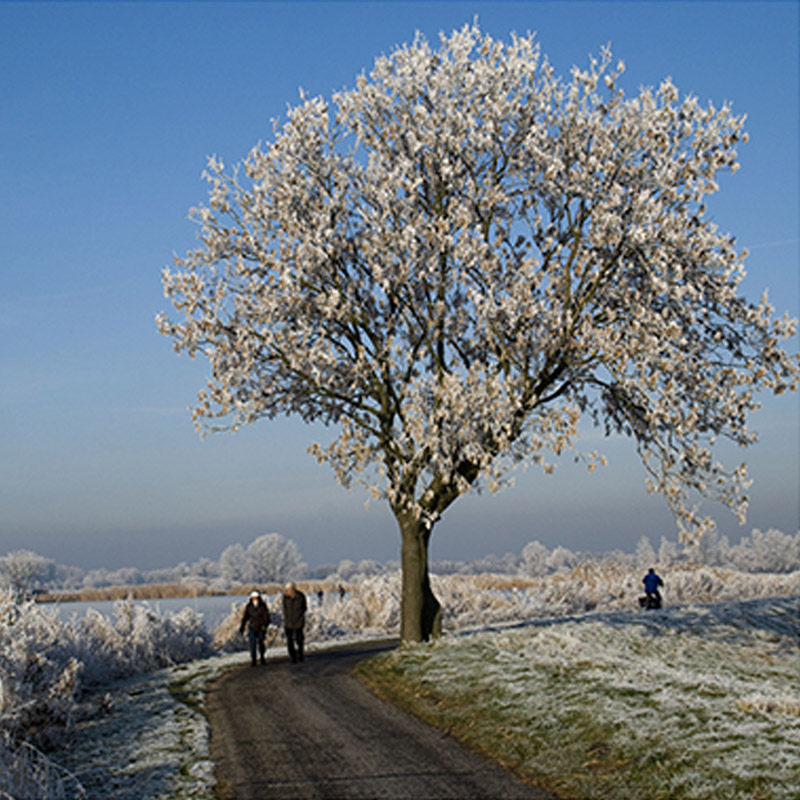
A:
(731, 657)
(709, 693)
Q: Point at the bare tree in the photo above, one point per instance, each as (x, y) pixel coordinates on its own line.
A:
(461, 257)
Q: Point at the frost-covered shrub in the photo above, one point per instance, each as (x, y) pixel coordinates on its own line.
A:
(44, 661)
(226, 635)
(373, 603)
(137, 640)
(469, 601)
(714, 585)
(38, 673)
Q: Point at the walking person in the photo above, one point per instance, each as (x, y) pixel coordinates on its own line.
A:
(256, 619)
(294, 620)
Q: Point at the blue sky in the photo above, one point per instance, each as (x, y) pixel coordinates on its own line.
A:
(109, 111)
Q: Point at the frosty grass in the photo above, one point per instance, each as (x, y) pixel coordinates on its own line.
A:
(687, 702)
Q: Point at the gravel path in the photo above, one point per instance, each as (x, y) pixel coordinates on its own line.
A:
(311, 730)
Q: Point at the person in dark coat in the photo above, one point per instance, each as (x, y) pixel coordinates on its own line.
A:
(294, 620)
(651, 583)
(256, 619)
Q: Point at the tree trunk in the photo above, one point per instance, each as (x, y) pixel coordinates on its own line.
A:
(420, 613)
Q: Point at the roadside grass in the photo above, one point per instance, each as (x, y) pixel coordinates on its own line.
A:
(673, 705)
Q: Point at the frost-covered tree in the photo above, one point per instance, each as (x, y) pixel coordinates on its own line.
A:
(23, 571)
(507, 564)
(273, 558)
(534, 559)
(561, 559)
(710, 548)
(66, 578)
(770, 551)
(645, 555)
(124, 576)
(346, 568)
(668, 552)
(455, 261)
(205, 568)
(232, 564)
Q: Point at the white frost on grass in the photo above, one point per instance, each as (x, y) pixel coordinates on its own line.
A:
(710, 696)
(148, 743)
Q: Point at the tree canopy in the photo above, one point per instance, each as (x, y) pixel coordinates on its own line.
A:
(458, 259)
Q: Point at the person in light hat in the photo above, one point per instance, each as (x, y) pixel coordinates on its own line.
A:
(294, 620)
(256, 619)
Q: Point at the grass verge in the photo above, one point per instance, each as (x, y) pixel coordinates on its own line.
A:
(611, 710)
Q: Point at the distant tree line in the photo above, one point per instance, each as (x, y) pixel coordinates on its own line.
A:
(272, 558)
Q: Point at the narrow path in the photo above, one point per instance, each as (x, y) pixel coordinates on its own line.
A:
(311, 730)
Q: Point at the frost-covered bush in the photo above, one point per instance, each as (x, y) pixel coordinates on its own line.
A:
(44, 661)
(38, 673)
(595, 586)
(43, 664)
(714, 585)
(372, 604)
(137, 640)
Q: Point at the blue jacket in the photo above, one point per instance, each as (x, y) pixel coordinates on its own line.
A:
(651, 582)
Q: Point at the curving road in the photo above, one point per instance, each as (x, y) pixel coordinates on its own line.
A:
(311, 730)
